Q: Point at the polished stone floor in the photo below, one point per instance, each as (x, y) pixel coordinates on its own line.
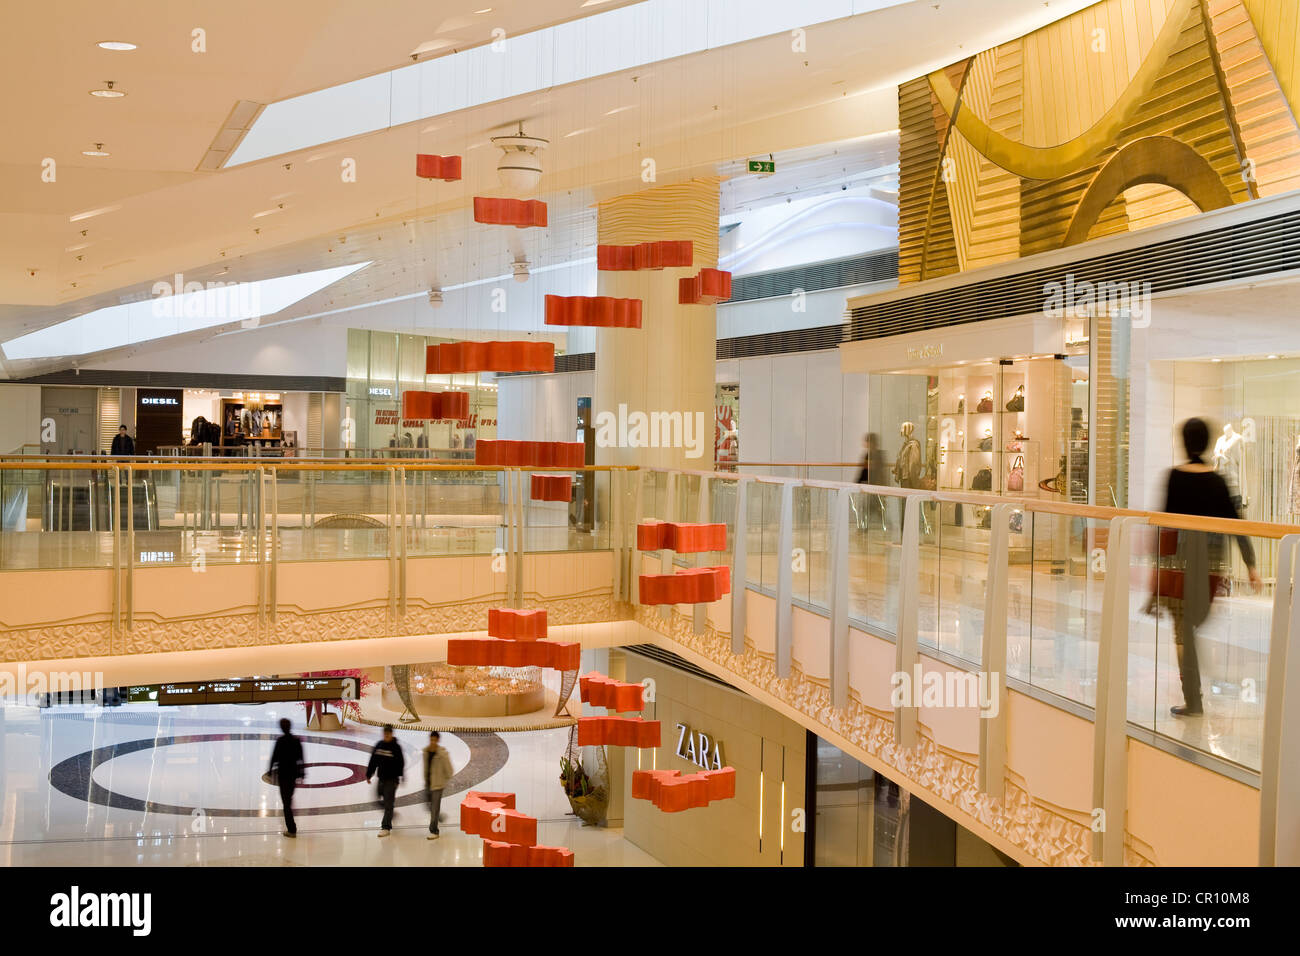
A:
(184, 786)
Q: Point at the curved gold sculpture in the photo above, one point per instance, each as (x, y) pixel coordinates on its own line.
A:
(1152, 159)
(1050, 162)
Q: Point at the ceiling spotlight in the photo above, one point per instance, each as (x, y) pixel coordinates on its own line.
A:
(107, 92)
(1272, 356)
(435, 297)
(115, 45)
(97, 151)
(520, 168)
(520, 269)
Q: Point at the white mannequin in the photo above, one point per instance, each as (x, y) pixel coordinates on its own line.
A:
(1227, 461)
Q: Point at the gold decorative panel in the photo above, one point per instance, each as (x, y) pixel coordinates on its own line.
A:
(1124, 115)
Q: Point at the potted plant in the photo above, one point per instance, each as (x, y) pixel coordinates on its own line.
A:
(318, 710)
(589, 800)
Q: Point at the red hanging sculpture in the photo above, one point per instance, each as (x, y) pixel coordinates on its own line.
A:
(435, 406)
(671, 792)
(707, 287)
(510, 624)
(446, 168)
(681, 537)
(530, 454)
(687, 586)
(493, 652)
(551, 487)
(601, 311)
(452, 357)
(522, 213)
(601, 691)
(618, 732)
(667, 254)
(513, 854)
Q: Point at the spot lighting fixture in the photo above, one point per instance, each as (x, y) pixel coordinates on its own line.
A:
(115, 45)
(107, 92)
(1272, 356)
(97, 151)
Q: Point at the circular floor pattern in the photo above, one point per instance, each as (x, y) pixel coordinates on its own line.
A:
(74, 776)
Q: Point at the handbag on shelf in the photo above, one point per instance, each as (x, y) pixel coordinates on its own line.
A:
(986, 403)
(984, 518)
(1017, 403)
(1017, 523)
(961, 405)
(986, 443)
(1016, 479)
(1014, 447)
(983, 480)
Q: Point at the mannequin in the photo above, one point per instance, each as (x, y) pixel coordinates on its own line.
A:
(907, 467)
(1227, 462)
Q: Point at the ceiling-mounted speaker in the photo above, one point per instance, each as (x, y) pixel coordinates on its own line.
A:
(520, 166)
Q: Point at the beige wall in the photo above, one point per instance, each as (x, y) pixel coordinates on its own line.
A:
(754, 738)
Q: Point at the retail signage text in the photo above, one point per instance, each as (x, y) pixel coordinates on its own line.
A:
(159, 401)
(925, 352)
(695, 747)
(379, 390)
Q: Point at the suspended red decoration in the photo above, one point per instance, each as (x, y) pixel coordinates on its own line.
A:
(708, 287)
(446, 168)
(513, 854)
(510, 624)
(452, 357)
(493, 816)
(667, 254)
(493, 652)
(435, 406)
(503, 453)
(617, 732)
(688, 586)
(671, 792)
(601, 311)
(510, 212)
(551, 487)
(681, 537)
(601, 691)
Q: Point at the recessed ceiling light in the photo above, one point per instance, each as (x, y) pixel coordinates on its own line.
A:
(484, 10)
(1272, 356)
(619, 109)
(108, 92)
(97, 151)
(1216, 360)
(579, 132)
(115, 45)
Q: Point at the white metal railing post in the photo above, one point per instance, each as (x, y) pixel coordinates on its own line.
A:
(392, 543)
(634, 557)
(739, 553)
(1279, 774)
(837, 512)
(991, 778)
(274, 571)
(521, 530)
(906, 655)
(1110, 731)
(508, 475)
(785, 580)
(401, 525)
(700, 617)
(665, 554)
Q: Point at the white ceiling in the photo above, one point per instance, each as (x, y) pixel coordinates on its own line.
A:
(694, 115)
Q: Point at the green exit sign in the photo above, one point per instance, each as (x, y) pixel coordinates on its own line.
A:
(762, 166)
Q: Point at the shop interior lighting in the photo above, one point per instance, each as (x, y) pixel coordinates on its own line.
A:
(115, 45)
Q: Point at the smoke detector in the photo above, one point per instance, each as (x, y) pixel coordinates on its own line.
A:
(520, 269)
(435, 297)
(520, 168)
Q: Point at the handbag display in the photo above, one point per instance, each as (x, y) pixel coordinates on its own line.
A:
(961, 405)
(984, 518)
(1017, 403)
(1016, 479)
(986, 443)
(986, 403)
(983, 480)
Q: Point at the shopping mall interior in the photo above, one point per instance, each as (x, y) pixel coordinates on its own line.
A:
(689, 433)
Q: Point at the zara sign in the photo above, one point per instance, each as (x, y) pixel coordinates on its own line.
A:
(698, 748)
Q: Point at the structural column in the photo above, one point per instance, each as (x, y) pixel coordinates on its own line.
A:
(667, 366)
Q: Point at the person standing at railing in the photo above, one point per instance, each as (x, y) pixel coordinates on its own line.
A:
(873, 472)
(1187, 588)
(123, 444)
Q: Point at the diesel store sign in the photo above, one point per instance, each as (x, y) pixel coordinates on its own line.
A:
(699, 749)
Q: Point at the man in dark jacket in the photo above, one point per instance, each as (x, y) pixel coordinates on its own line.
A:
(122, 443)
(387, 761)
(287, 769)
